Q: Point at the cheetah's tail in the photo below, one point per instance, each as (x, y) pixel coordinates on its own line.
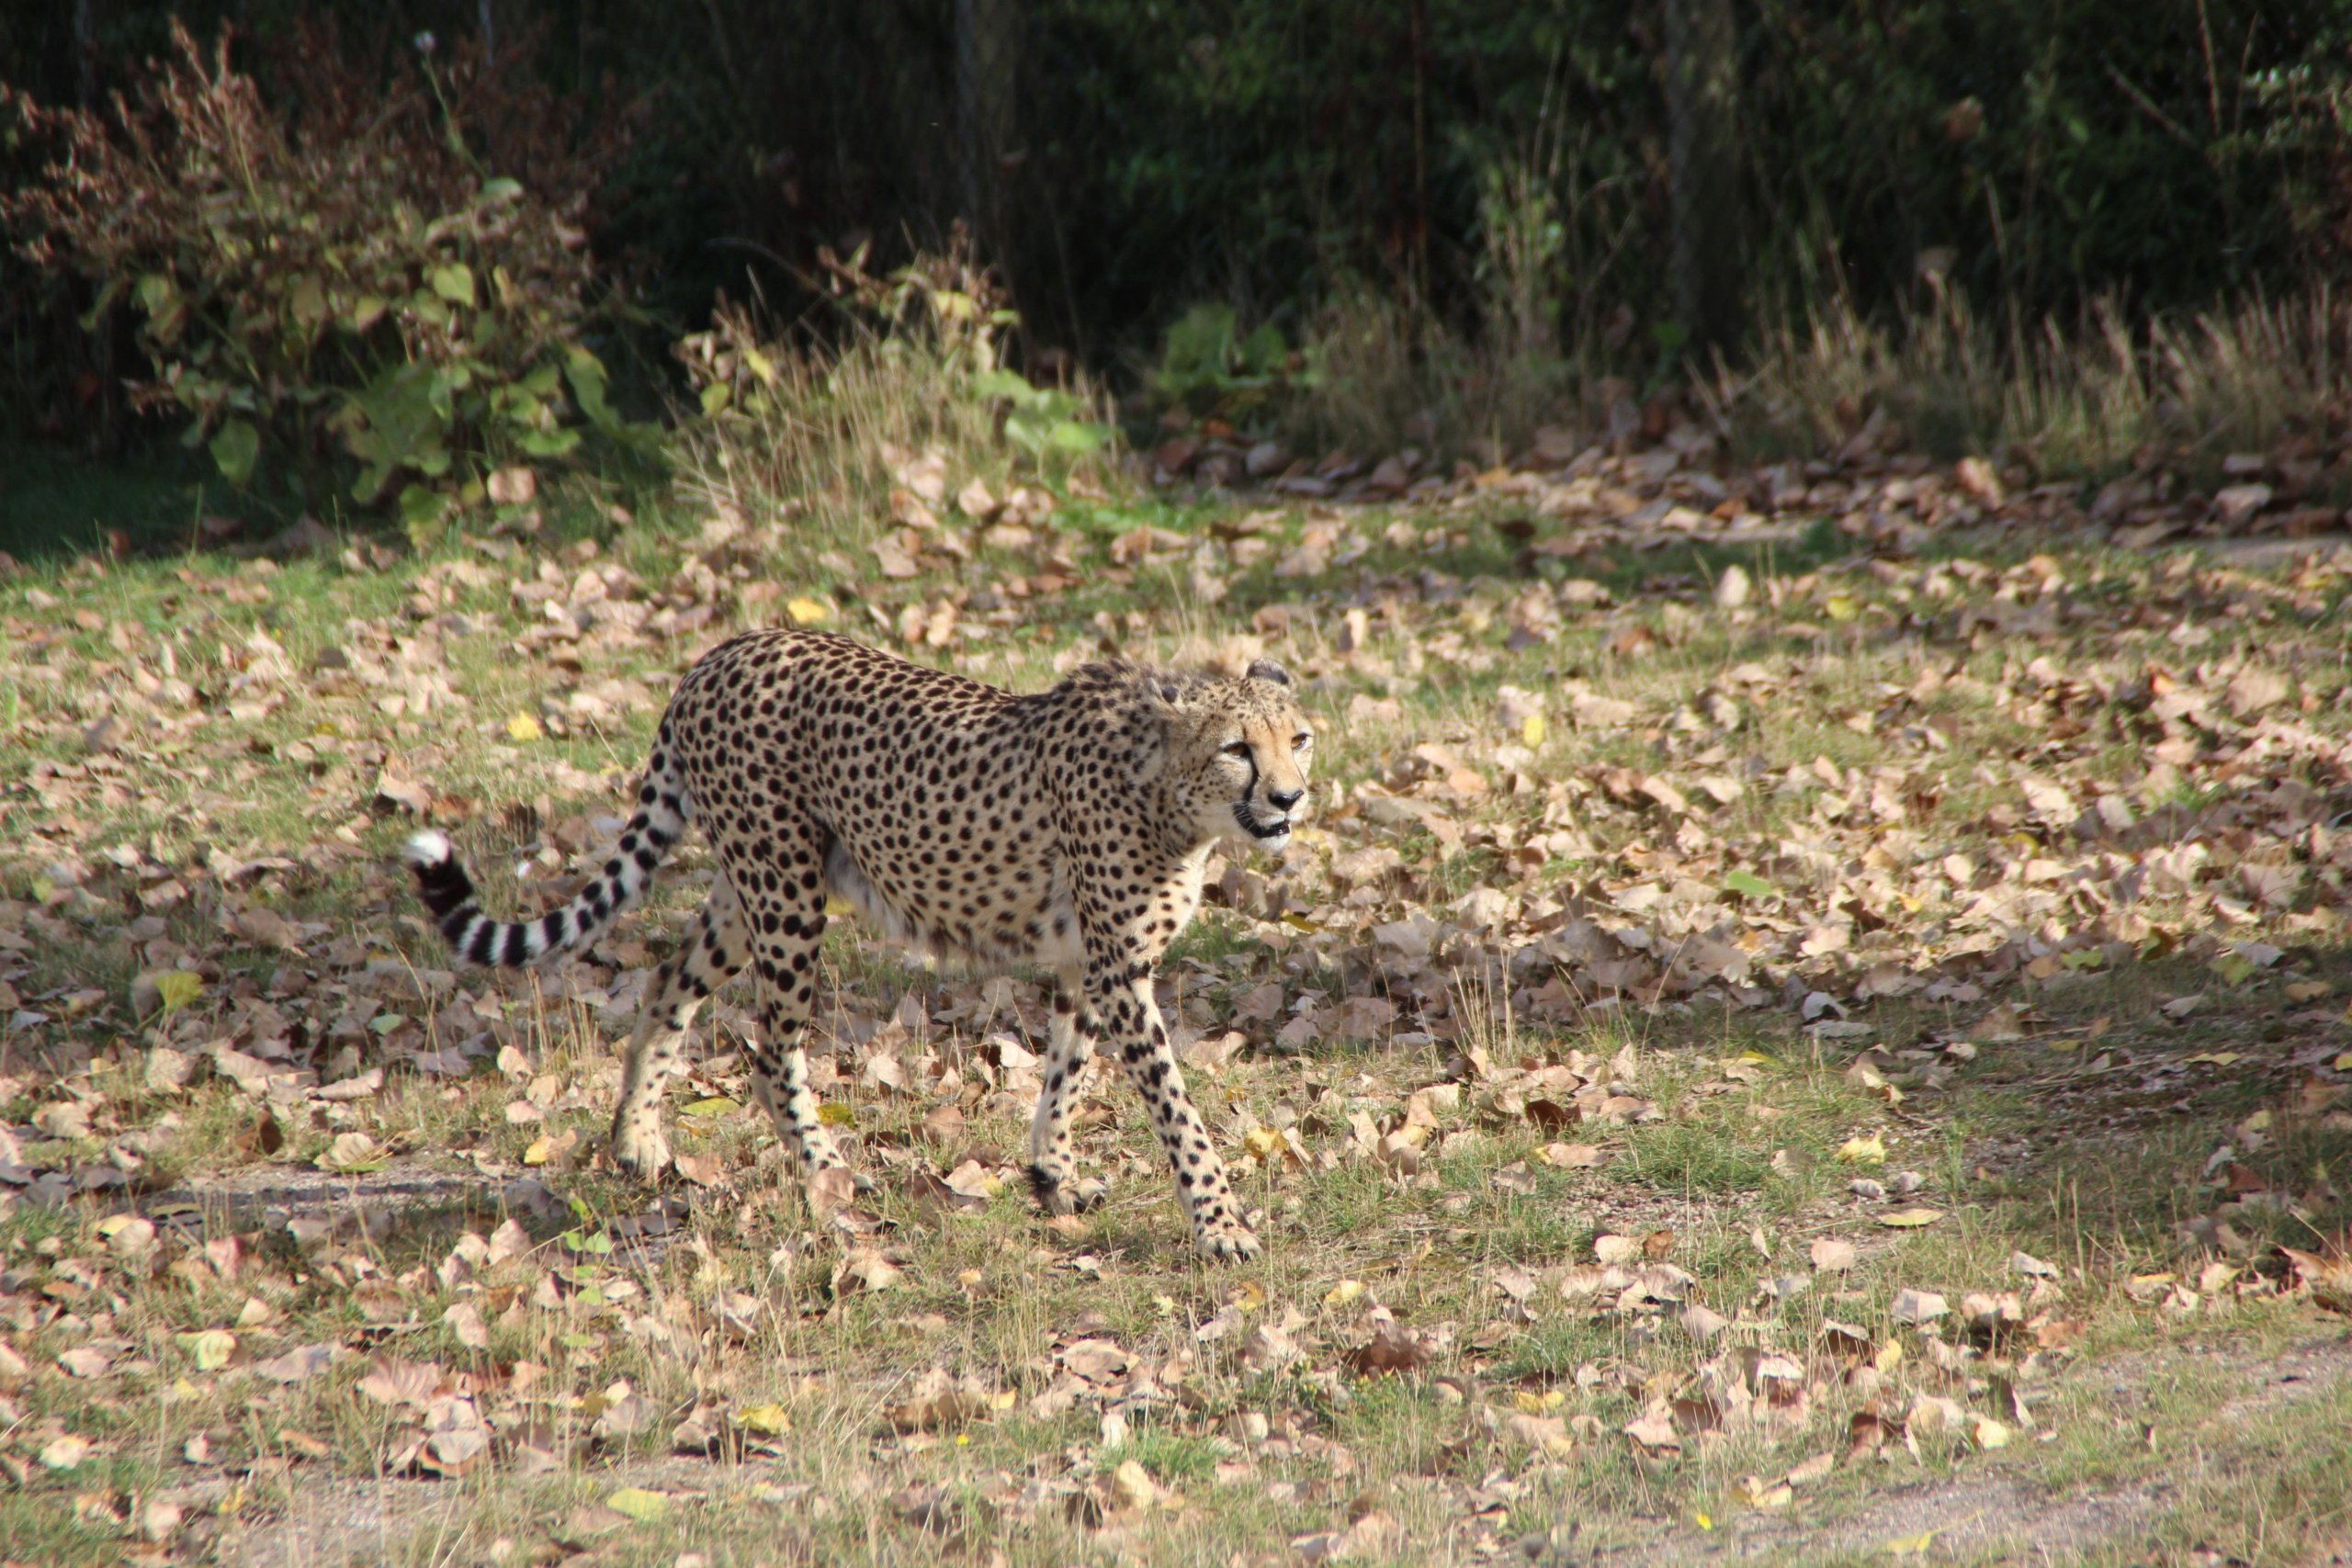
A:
(448, 891)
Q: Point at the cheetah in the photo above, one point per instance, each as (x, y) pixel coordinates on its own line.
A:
(1068, 829)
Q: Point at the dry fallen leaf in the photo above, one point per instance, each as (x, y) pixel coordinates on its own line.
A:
(2327, 1275)
(1831, 1256)
(1393, 1348)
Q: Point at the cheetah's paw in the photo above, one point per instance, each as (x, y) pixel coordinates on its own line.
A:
(1059, 1195)
(1226, 1241)
(643, 1152)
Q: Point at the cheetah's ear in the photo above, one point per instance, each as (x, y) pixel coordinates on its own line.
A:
(1267, 670)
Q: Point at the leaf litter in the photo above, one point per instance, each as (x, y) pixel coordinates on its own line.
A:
(1568, 821)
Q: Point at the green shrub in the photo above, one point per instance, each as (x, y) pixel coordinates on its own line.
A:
(818, 423)
(345, 290)
(1210, 368)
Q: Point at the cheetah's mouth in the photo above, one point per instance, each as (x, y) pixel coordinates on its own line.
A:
(1277, 828)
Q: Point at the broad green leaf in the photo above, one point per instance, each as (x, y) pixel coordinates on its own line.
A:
(308, 300)
(952, 305)
(586, 374)
(1079, 435)
(420, 503)
(715, 397)
(501, 189)
(1004, 384)
(165, 306)
(455, 283)
(235, 448)
(1746, 884)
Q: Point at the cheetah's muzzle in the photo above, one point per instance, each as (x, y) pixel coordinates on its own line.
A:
(1256, 829)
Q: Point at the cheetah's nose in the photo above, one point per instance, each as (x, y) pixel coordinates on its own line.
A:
(1283, 799)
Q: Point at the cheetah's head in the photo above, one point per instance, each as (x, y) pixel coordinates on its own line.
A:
(1241, 749)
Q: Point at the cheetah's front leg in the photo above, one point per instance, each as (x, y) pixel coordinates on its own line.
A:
(1136, 1033)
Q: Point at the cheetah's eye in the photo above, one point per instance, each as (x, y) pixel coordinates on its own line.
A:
(1302, 740)
(1240, 750)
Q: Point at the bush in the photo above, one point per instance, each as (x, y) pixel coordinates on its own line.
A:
(812, 424)
(2084, 403)
(344, 288)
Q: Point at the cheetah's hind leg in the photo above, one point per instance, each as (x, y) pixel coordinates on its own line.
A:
(1068, 1056)
(716, 949)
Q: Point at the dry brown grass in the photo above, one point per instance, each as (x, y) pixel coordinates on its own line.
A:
(2081, 401)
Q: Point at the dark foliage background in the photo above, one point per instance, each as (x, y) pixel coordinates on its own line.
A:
(1122, 159)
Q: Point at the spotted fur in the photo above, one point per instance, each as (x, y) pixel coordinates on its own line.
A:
(1068, 829)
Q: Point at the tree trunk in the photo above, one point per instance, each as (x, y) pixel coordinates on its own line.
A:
(987, 62)
(86, 55)
(1702, 107)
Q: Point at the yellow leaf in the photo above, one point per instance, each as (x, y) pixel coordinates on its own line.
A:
(2215, 1058)
(523, 727)
(809, 612)
(1911, 1545)
(211, 1350)
(177, 989)
(1863, 1151)
(1534, 1404)
(1342, 1294)
(542, 1149)
(638, 1503)
(1910, 1218)
(835, 1114)
(1263, 1142)
(1532, 731)
(1838, 607)
(769, 1419)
